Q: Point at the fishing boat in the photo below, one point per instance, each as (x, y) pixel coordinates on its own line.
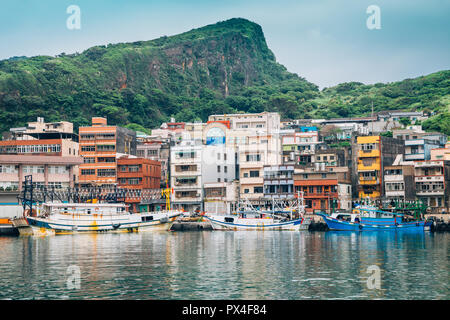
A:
(49, 218)
(64, 218)
(369, 218)
(250, 218)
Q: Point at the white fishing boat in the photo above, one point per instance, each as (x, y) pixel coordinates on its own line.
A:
(250, 218)
(64, 218)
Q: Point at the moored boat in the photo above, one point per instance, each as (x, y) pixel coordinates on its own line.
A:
(250, 218)
(66, 218)
(366, 218)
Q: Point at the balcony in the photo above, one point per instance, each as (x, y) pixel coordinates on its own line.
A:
(369, 180)
(430, 192)
(394, 178)
(415, 156)
(423, 164)
(369, 153)
(439, 178)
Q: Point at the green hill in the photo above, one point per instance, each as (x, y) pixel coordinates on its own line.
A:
(221, 68)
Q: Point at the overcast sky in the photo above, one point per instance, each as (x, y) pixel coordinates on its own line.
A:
(327, 42)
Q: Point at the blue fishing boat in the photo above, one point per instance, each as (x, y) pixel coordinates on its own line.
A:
(366, 218)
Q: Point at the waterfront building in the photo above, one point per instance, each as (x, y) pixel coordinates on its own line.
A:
(47, 151)
(278, 182)
(399, 183)
(373, 154)
(186, 175)
(138, 174)
(220, 197)
(158, 149)
(432, 178)
(100, 145)
(324, 187)
(259, 151)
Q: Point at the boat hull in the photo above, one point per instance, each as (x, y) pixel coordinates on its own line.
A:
(368, 224)
(259, 224)
(71, 225)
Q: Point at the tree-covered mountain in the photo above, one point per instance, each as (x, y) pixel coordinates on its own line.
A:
(226, 67)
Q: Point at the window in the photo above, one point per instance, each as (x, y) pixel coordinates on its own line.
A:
(253, 157)
(106, 147)
(225, 169)
(106, 172)
(218, 168)
(89, 160)
(254, 174)
(246, 190)
(87, 172)
(224, 156)
(218, 156)
(258, 190)
(245, 174)
(87, 148)
(106, 159)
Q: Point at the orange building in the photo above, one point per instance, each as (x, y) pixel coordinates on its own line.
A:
(100, 145)
(322, 185)
(139, 174)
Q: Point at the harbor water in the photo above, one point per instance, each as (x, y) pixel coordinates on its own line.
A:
(227, 265)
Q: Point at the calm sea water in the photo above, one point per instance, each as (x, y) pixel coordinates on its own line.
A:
(226, 265)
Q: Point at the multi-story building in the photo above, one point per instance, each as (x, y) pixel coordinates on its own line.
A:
(399, 183)
(157, 149)
(100, 145)
(331, 157)
(418, 143)
(324, 188)
(186, 175)
(441, 153)
(47, 151)
(220, 197)
(266, 121)
(260, 151)
(373, 154)
(279, 182)
(299, 147)
(138, 174)
(432, 178)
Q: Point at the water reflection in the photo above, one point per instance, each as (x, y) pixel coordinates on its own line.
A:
(227, 265)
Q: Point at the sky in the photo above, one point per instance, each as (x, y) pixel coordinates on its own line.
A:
(325, 41)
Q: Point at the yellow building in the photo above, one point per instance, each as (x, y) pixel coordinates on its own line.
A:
(374, 153)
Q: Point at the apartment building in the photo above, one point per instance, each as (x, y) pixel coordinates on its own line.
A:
(432, 178)
(47, 151)
(299, 147)
(418, 143)
(441, 153)
(137, 174)
(278, 182)
(373, 154)
(186, 175)
(100, 145)
(324, 187)
(220, 197)
(399, 183)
